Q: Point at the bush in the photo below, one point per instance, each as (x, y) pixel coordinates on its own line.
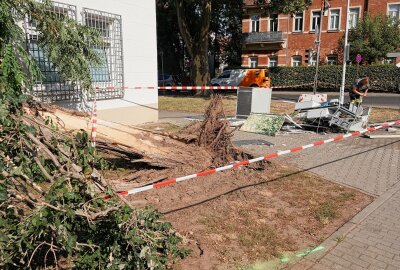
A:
(383, 78)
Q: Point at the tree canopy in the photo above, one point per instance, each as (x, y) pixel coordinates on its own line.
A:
(374, 38)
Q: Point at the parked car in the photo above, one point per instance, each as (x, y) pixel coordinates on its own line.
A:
(168, 80)
(243, 77)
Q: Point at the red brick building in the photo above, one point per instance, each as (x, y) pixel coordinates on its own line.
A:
(285, 40)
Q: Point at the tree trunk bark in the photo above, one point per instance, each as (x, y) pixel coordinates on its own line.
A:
(200, 67)
(197, 47)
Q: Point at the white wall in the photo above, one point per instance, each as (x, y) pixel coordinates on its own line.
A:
(139, 48)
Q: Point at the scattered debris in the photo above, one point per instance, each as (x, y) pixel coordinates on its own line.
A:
(268, 124)
(315, 111)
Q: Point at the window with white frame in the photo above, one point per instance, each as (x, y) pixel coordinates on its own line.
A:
(296, 61)
(334, 19)
(332, 59)
(273, 23)
(273, 61)
(255, 23)
(315, 20)
(394, 11)
(253, 62)
(354, 17)
(298, 22)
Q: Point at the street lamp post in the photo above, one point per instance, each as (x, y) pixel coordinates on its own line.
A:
(162, 67)
(346, 48)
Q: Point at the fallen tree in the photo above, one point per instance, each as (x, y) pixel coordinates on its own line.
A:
(52, 209)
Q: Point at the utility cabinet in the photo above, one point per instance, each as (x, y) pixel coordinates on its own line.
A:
(253, 100)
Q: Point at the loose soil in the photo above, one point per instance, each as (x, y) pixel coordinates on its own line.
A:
(242, 216)
(228, 219)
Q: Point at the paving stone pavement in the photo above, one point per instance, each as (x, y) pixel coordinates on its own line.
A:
(370, 165)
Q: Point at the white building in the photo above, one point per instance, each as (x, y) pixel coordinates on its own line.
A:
(130, 53)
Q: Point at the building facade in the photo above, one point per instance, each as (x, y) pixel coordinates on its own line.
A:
(128, 28)
(289, 40)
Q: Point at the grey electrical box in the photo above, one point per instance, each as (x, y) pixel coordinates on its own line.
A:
(261, 100)
(253, 100)
(243, 105)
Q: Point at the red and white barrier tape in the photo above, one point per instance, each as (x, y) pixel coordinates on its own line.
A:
(173, 88)
(94, 123)
(190, 88)
(247, 162)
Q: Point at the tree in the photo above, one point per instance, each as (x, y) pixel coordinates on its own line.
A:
(194, 23)
(374, 38)
(284, 6)
(224, 34)
(51, 213)
(226, 28)
(169, 41)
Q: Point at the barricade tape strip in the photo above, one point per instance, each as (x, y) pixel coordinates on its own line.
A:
(254, 160)
(94, 124)
(188, 88)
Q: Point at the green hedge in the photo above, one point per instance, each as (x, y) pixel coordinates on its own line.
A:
(383, 78)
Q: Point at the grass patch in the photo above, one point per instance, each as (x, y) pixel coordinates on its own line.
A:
(384, 114)
(194, 104)
(199, 105)
(325, 213)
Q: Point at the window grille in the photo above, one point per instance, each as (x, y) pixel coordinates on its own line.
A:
(50, 88)
(109, 77)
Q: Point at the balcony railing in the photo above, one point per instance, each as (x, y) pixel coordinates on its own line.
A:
(263, 37)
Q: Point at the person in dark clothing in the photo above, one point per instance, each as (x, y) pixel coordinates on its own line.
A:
(359, 90)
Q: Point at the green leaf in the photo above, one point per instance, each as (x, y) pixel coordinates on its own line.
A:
(3, 195)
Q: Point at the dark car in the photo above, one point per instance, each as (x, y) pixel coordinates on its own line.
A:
(168, 80)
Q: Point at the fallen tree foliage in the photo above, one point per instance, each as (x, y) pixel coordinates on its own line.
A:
(52, 209)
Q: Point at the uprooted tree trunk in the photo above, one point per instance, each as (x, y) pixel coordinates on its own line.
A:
(214, 134)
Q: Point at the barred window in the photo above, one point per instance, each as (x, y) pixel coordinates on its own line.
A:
(110, 74)
(50, 87)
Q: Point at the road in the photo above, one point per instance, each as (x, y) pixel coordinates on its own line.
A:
(387, 100)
